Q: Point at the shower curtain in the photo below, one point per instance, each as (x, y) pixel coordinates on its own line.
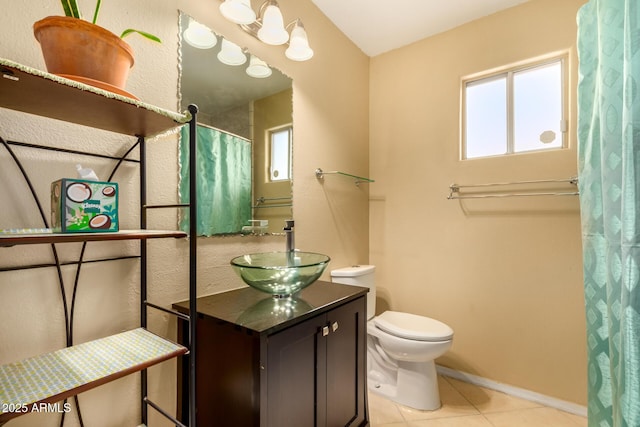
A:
(609, 176)
(223, 166)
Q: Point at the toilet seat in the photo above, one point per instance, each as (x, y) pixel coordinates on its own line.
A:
(413, 327)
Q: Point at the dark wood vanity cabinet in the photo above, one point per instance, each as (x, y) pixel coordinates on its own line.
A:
(277, 363)
(312, 370)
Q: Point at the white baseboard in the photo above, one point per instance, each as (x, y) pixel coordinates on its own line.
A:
(532, 396)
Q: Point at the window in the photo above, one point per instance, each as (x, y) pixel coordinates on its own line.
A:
(514, 111)
(280, 147)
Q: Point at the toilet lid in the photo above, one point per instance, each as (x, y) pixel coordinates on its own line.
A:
(413, 327)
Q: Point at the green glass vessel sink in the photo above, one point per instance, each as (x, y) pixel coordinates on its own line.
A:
(281, 274)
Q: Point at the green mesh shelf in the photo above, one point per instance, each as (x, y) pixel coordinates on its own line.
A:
(51, 377)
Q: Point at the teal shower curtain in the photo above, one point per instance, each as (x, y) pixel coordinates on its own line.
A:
(609, 174)
(223, 167)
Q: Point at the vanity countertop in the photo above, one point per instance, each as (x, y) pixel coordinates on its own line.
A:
(261, 313)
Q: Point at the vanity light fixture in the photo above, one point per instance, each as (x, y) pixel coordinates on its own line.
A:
(201, 37)
(268, 26)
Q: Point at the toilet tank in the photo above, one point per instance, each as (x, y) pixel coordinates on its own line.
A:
(359, 275)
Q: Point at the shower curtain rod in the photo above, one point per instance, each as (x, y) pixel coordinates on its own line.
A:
(223, 131)
(455, 188)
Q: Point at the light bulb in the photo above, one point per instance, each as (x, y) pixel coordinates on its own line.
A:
(238, 11)
(231, 53)
(199, 36)
(272, 30)
(299, 49)
(258, 68)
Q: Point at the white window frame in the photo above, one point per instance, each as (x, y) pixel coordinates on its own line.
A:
(509, 72)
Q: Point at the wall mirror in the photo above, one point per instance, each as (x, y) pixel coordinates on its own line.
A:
(245, 133)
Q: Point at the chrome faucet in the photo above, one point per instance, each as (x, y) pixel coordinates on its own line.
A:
(288, 229)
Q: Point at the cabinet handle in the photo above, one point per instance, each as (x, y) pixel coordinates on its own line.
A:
(325, 331)
(334, 326)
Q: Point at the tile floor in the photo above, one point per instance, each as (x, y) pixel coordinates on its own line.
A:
(467, 405)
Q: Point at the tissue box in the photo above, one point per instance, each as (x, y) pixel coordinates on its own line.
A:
(81, 206)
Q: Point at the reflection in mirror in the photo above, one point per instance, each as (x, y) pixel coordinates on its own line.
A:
(244, 106)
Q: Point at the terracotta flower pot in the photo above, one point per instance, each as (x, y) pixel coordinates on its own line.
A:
(80, 50)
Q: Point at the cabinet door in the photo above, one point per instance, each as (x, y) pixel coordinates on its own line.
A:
(346, 365)
(292, 383)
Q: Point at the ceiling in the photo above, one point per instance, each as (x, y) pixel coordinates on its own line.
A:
(392, 24)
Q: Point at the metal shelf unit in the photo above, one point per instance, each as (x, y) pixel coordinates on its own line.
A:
(36, 92)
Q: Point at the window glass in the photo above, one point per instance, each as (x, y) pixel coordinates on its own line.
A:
(537, 108)
(280, 142)
(486, 128)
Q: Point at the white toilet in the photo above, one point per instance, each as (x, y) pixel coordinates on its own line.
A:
(401, 347)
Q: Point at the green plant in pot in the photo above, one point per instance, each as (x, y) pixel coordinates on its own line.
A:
(84, 51)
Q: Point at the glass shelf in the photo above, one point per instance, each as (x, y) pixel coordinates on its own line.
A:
(320, 175)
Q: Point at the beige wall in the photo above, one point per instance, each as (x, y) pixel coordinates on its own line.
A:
(505, 274)
(328, 134)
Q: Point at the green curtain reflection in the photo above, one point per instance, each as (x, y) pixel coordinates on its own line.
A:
(609, 172)
(224, 181)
